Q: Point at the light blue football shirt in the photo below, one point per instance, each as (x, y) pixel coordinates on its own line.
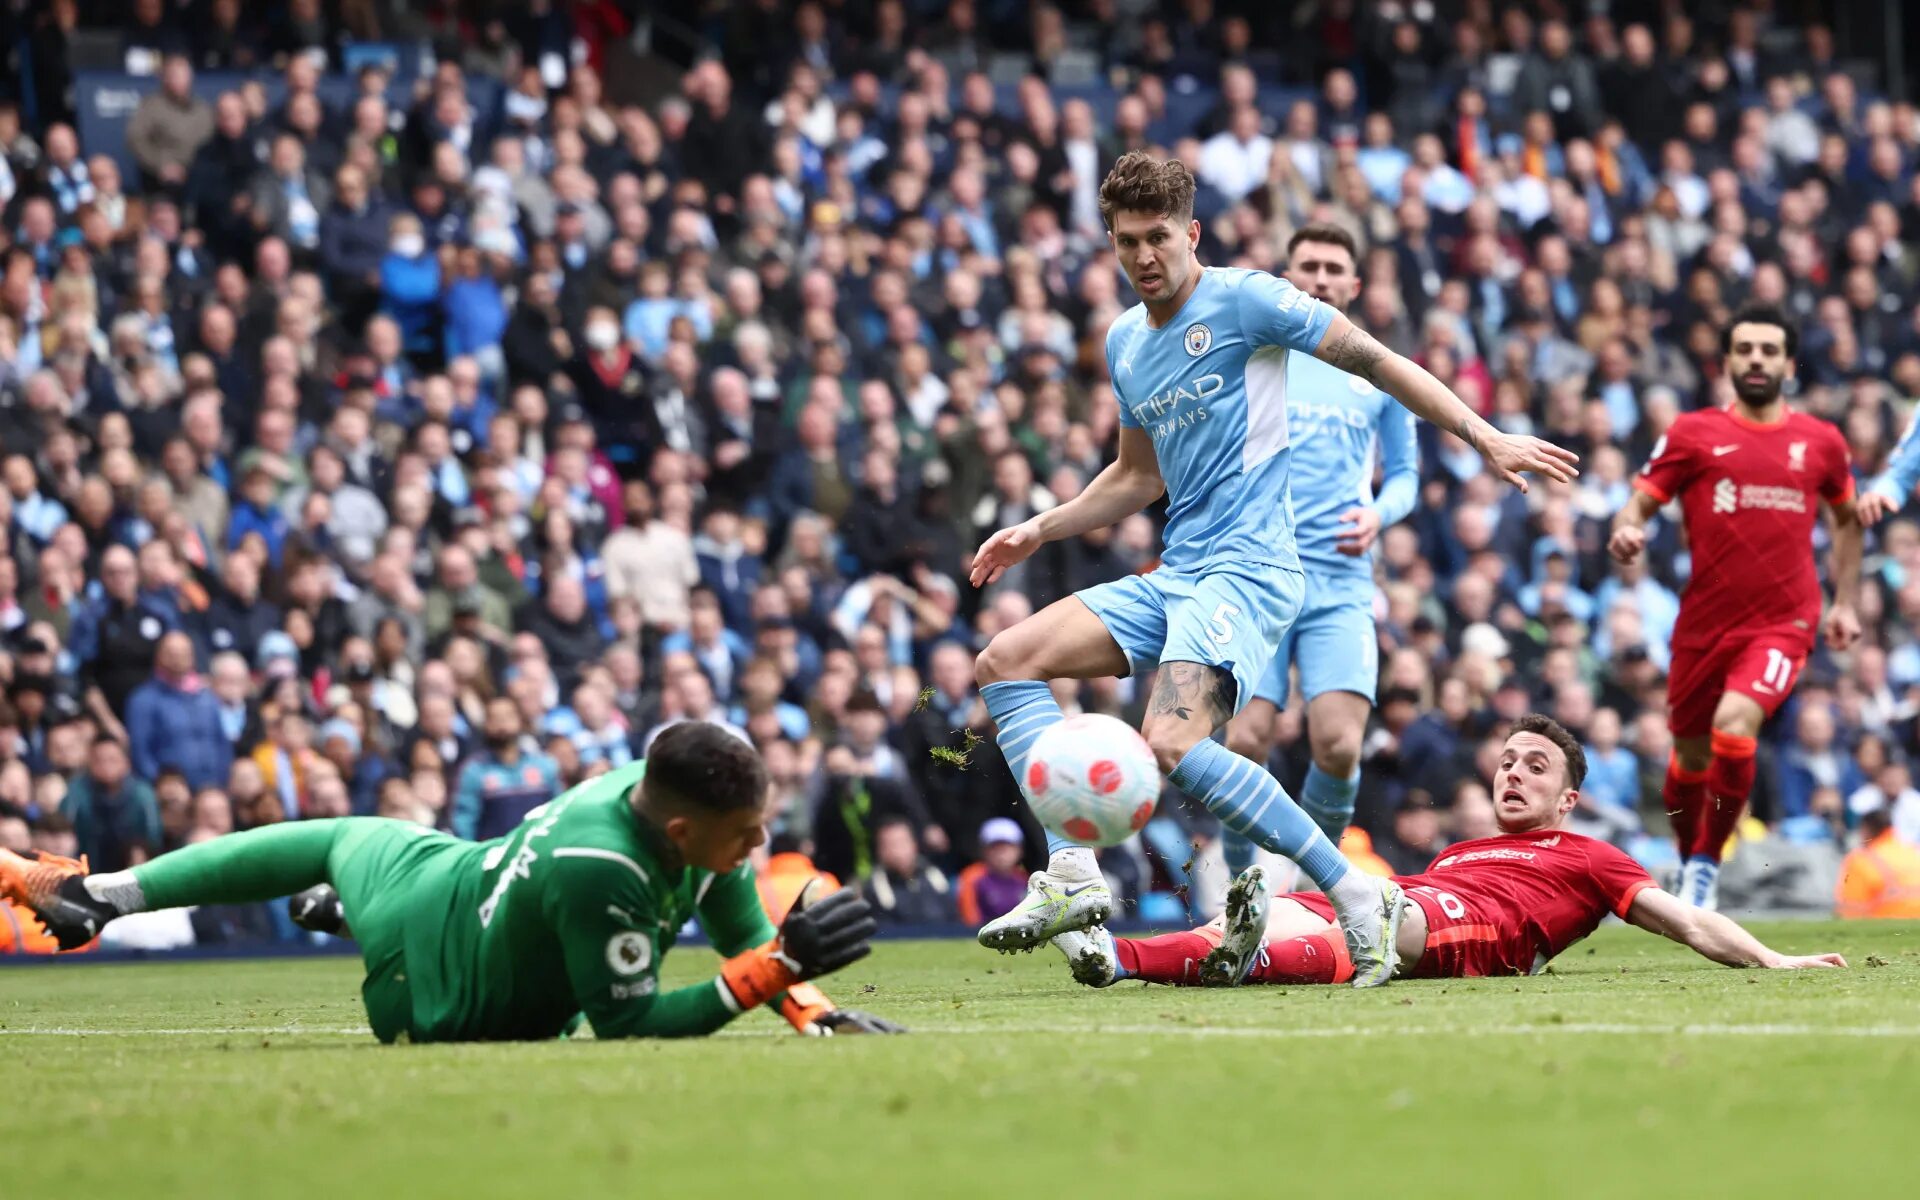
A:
(1336, 420)
(1897, 482)
(1210, 389)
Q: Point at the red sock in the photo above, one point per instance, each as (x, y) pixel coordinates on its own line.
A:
(1309, 958)
(1729, 782)
(1685, 793)
(1169, 958)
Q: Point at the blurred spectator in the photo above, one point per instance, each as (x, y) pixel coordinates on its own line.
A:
(502, 783)
(115, 818)
(1881, 878)
(174, 720)
(904, 889)
(992, 886)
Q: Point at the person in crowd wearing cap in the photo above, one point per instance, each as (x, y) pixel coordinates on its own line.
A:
(504, 782)
(994, 884)
(174, 720)
(904, 888)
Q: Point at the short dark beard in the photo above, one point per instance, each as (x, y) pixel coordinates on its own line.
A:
(1768, 397)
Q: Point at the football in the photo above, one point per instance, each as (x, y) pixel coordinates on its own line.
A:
(1093, 779)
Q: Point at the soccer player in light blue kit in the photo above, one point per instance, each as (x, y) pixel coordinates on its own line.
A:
(1335, 421)
(1200, 370)
(1889, 491)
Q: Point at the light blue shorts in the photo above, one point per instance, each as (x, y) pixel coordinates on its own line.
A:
(1232, 617)
(1333, 643)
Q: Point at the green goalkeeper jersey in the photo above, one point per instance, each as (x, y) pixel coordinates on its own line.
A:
(569, 914)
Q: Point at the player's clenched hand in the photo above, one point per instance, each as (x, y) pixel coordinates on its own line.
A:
(1626, 543)
(842, 1021)
(1801, 962)
(1842, 627)
(826, 936)
(1004, 549)
(1870, 506)
(1513, 456)
(1356, 541)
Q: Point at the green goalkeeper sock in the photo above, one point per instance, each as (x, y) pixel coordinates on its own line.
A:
(261, 864)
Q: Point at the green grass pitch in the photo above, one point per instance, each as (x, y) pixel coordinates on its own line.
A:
(1633, 1069)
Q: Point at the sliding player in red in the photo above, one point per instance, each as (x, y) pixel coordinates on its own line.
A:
(1748, 478)
(1502, 905)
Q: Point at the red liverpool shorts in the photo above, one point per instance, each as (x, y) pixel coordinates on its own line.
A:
(1762, 665)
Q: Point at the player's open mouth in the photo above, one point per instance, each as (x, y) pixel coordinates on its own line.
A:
(1149, 280)
(1513, 796)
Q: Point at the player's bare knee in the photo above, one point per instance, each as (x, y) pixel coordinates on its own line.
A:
(1337, 752)
(1001, 661)
(1250, 740)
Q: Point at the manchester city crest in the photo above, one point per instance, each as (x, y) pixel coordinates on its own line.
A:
(1198, 338)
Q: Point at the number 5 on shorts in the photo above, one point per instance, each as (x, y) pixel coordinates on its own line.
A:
(1222, 625)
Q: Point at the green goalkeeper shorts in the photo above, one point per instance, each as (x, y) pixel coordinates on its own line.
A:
(374, 865)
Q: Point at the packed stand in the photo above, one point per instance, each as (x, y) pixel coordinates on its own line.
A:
(417, 455)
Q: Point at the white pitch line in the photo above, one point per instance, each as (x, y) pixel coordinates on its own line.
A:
(1579, 1028)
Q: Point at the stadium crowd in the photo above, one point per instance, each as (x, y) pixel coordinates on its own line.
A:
(421, 457)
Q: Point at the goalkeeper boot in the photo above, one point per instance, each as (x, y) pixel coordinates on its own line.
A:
(55, 889)
(1090, 955)
(1051, 907)
(1244, 933)
(1372, 936)
(319, 909)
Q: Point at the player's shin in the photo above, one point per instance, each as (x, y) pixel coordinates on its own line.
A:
(1685, 796)
(1729, 782)
(1309, 958)
(1329, 799)
(260, 864)
(1238, 850)
(1168, 958)
(1022, 709)
(1251, 802)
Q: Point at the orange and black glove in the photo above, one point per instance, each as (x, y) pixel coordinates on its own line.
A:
(813, 941)
(808, 1010)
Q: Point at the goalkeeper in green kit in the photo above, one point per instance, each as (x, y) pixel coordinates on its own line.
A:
(518, 938)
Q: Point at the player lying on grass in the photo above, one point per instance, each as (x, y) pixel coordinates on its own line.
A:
(518, 938)
(1502, 905)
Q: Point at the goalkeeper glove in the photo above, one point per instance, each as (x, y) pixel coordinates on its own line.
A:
(817, 940)
(809, 1011)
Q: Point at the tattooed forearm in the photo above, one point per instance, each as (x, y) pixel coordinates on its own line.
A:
(1467, 429)
(1356, 352)
(1189, 691)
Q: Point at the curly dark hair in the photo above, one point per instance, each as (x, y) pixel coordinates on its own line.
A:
(698, 765)
(1139, 182)
(1555, 732)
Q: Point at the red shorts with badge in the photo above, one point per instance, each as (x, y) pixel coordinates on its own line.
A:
(1460, 944)
(1761, 664)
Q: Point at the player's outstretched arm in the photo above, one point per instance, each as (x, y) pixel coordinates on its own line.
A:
(1713, 936)
(1629, 536)
(1842, 622)
(1128, 484)
(1510, 456)
(1888, 492)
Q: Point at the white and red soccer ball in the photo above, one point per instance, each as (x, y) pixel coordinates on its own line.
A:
(1092, 779)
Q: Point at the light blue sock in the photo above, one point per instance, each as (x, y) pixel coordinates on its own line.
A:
(1329, 801)
(1021, 710)
(1237, 850)
(1250, 801)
